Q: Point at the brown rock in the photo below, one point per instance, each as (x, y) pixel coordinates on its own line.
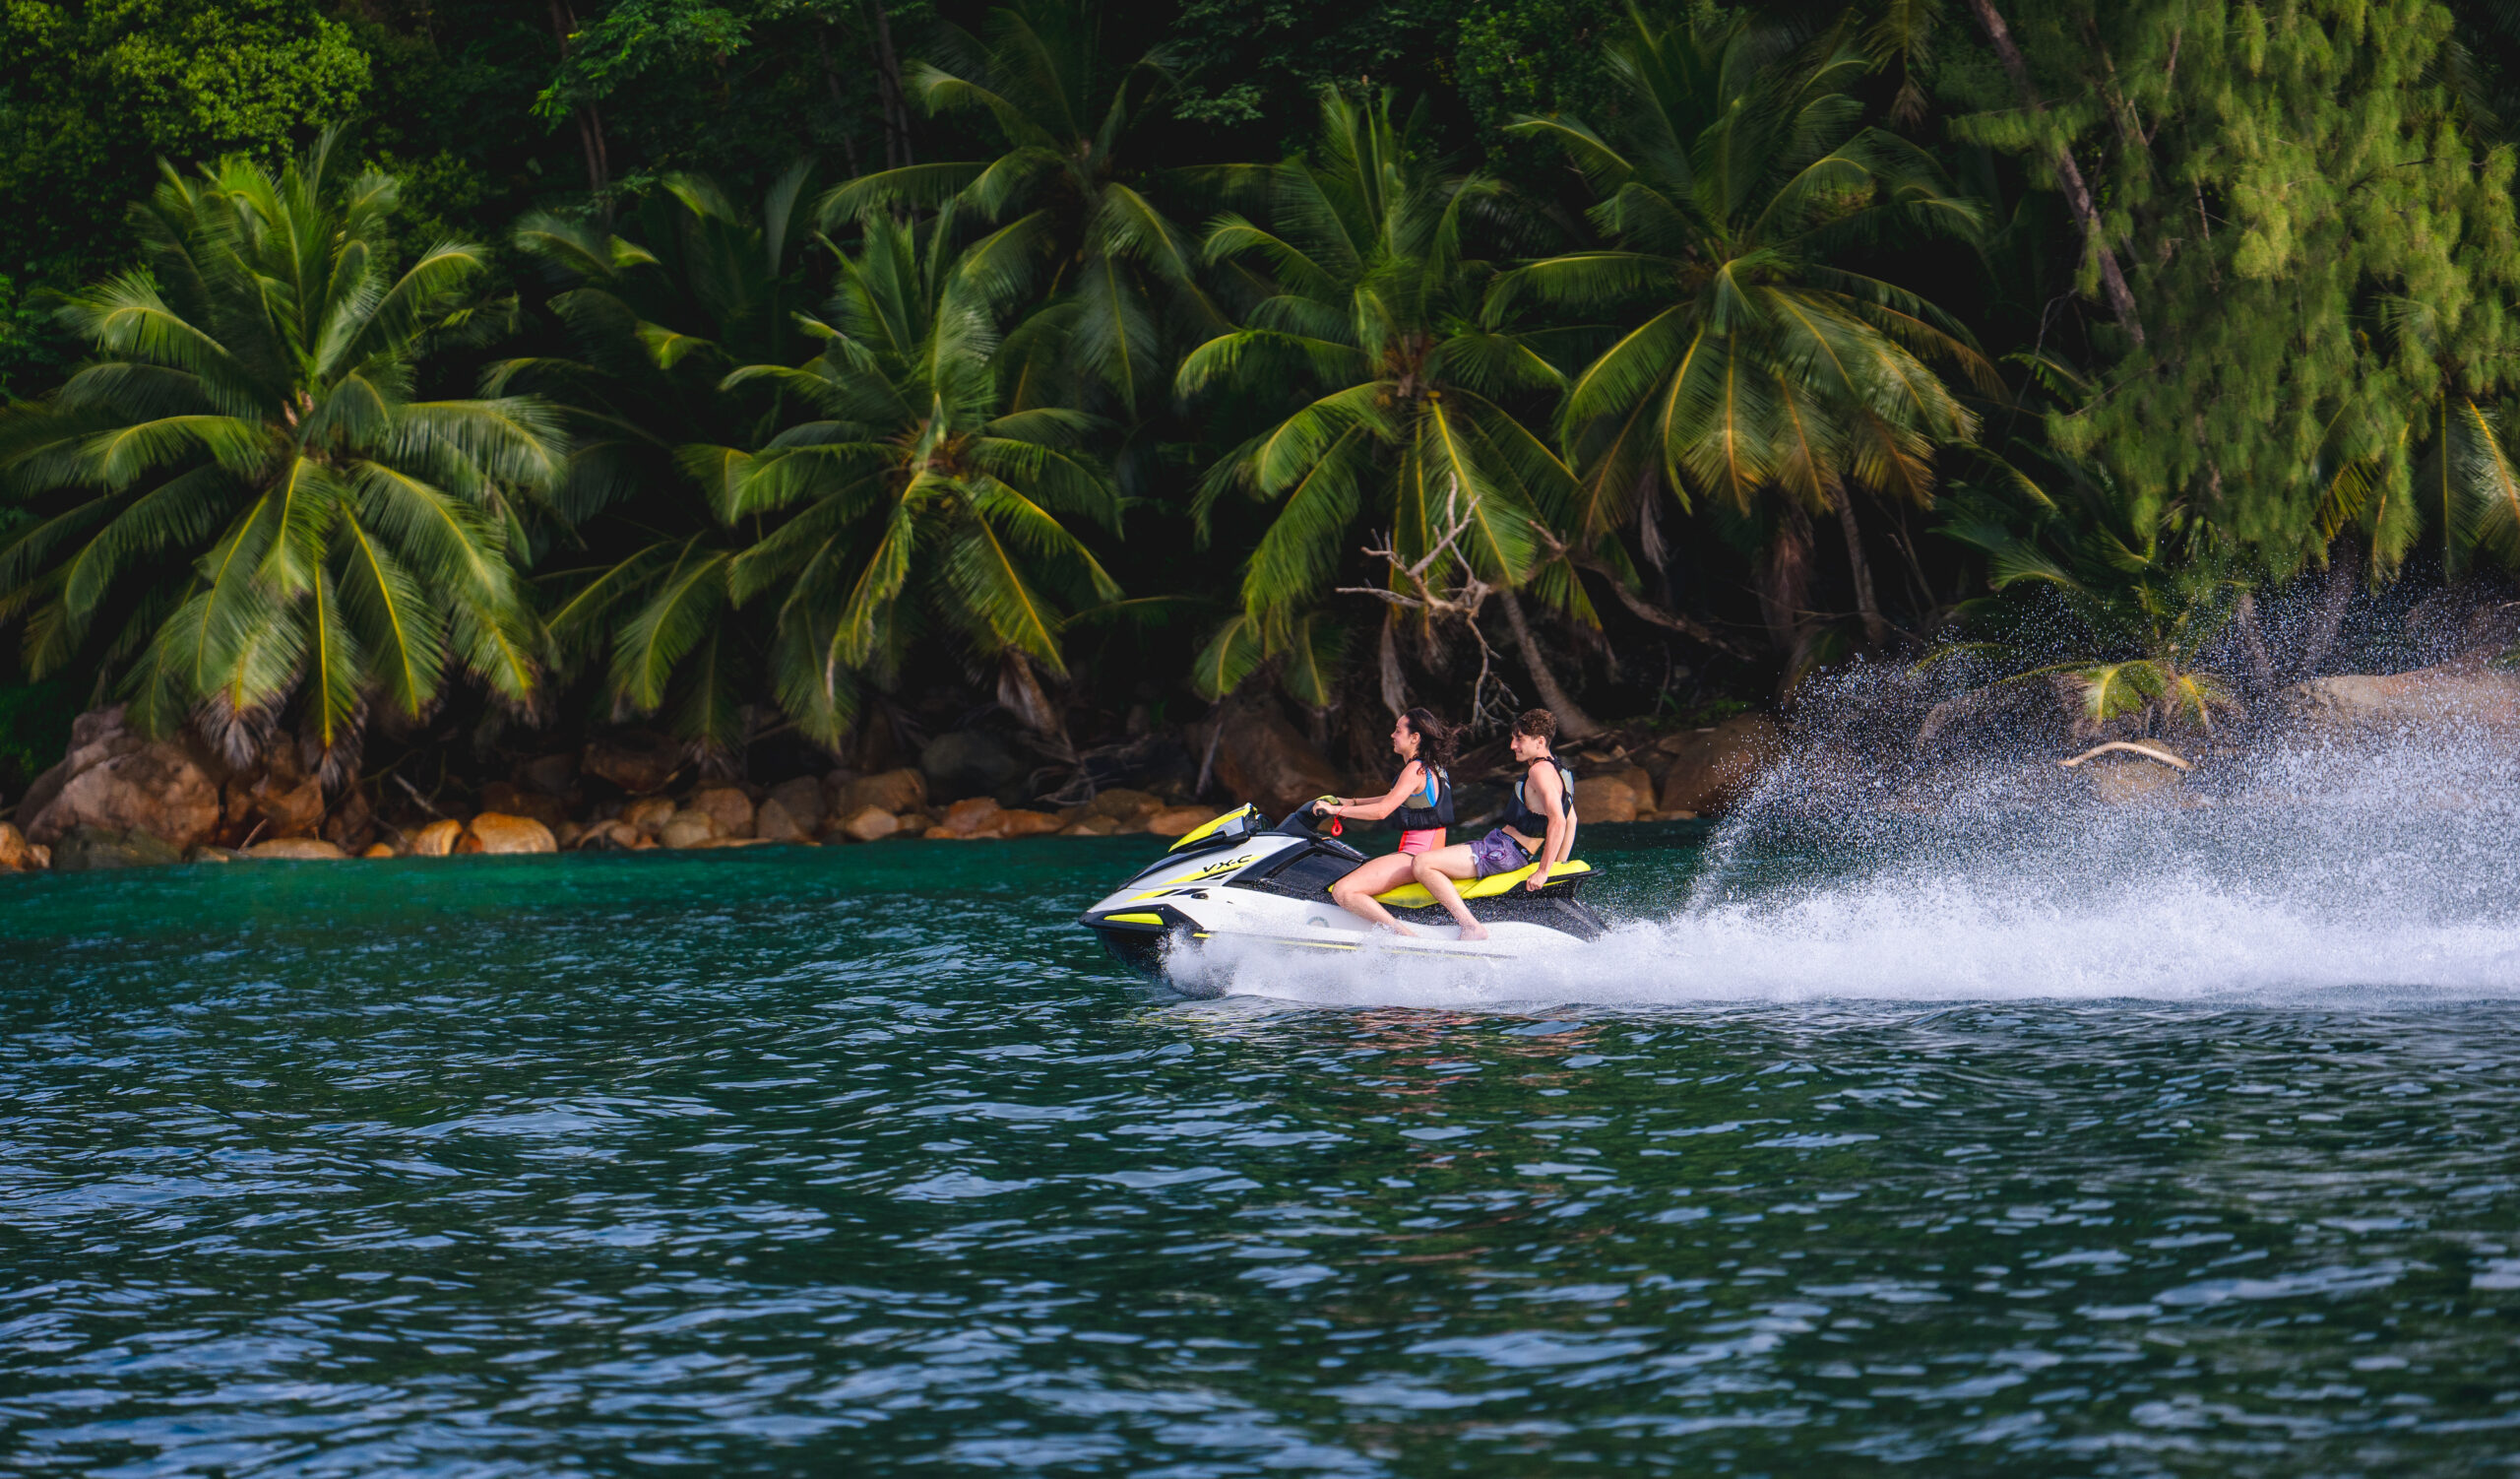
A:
(437, 839)
(550, 775)
(567, 833)
(95, 848)
(972, 817)
(1173, 821)
(726, 806)
(42, 854)
(1599, 799)
(378, 850)
(2117, 782)
(17, 855)
(638, 761)
(801, 799)
(1022, 823)
(1260, 756)
(2472, 696)
(352, 824)
(867, 824)
(286, 806)
(945, 834)
(513, 801)
(649, 814)
(687, 828)
(1710, 770)
(1120, 803)
(772, 824)
(894, 791)
(499, 832)
(605, 836)
(95, 737)
(1088, 826)
(296, 850)
(114, 781)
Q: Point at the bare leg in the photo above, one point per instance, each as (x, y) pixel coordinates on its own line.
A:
(1356, 892)
(1435, 872)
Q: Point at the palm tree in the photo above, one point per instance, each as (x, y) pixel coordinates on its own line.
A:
(239, 496)
(1748, 363)
(1405, 392)
(661, 311)
(2149, 590)
(909, 489)
(1121, 274)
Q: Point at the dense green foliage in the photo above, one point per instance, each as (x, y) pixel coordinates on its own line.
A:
(239, 494)
(834, 346)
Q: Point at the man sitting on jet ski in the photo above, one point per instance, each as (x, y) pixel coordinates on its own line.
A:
(1540, 828)
(1419, 804)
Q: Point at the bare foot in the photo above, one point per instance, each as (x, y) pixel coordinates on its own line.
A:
(1397, 928)
(1474, 931)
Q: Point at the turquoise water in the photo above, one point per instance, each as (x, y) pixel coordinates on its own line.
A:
(860, 1161)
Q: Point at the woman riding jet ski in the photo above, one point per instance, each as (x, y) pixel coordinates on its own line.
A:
(1239, 878)
(1419, 804)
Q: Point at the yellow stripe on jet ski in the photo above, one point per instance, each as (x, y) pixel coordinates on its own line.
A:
(1207, 827)
(1130, 919)
(1414, 896)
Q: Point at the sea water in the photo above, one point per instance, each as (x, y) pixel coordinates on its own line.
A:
(2172, 1143)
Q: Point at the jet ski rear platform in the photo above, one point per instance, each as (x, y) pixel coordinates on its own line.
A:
(1236, 878)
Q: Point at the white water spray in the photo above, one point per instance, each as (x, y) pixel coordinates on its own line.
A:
(2305, 875)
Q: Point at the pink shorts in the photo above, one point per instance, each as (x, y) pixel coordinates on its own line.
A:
(1425, 841)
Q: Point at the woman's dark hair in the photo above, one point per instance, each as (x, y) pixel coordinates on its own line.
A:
(1436, 739)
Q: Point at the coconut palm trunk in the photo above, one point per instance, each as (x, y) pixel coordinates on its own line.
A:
(1876, 632)
(1572, 721)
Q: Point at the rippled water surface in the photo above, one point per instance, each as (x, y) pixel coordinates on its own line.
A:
(864, 1160)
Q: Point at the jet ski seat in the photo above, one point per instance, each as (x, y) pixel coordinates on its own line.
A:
(1414, 896)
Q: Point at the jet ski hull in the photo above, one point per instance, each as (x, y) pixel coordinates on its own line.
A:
(1271, 889)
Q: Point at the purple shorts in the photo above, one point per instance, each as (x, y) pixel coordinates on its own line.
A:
(1499, 853)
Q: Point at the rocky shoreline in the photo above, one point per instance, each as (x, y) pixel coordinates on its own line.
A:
(122, 799)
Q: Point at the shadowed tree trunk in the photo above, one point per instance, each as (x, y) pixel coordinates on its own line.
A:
(888, 84)
(1785, 581)
(564, 26)
(2069, 175)
(1876, 632)
(1572, 721)
(839, 105)
(2344, 562)
(1394, 687)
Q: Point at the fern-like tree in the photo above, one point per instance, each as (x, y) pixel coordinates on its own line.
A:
(1075, 188)
(1405, 400)
(905, 496)
(2155, 607)
(243, 504)
(659, 311)
(1749, 359)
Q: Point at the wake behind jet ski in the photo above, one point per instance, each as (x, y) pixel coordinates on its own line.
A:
(1239, 878)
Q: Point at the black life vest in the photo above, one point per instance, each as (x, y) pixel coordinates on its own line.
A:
(1530, 822)
(1428, 819)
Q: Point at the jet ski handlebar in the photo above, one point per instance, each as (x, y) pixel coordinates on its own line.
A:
(1309, 818)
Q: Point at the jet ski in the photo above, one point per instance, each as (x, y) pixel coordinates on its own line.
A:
(1239, 878)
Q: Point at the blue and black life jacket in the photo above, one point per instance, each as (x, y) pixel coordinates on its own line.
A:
(1437, 811)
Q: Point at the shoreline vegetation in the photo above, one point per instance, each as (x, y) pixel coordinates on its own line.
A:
(721, 423)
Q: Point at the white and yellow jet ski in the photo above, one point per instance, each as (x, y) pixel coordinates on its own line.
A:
(1239, 878)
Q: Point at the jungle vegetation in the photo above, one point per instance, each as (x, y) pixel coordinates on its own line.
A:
(737, 367)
